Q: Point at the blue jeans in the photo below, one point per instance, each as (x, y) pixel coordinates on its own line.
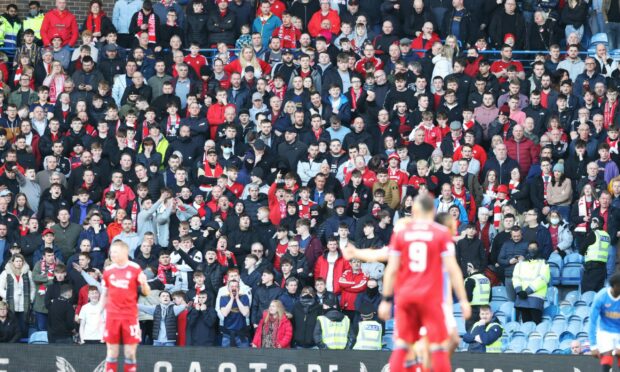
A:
(596, 22)
(240, 341)
(570, 29)
(41, 320)
(161, 343)
(611, 261)
(613, 34)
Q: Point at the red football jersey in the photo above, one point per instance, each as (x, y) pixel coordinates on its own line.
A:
(421, 246)
(122, 285)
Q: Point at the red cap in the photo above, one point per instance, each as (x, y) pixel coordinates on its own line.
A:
(503, 189)
(47, 231)
(508, 36)
(218, 2)
(394, 156)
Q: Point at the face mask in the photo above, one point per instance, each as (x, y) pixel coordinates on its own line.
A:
(471, 59)
(227, 150)
(372, 292)
(531, 254)
(33, 12)
(554, 221)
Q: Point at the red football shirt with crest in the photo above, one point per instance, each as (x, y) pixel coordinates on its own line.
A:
(121, 283)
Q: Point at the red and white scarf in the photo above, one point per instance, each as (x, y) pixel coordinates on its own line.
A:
(584, 211)
(46, 270)
(151, 26)
(497, 211)
(172, 125)
(161, 272)
(546, 182)
(610, 110)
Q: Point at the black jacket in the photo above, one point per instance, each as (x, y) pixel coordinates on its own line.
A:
(471, 251)
(304, 322)
(468, 28)
(221, 29)
(261, 298)
(201, 329)
(196, 29)
(60, 323)
(9, 329)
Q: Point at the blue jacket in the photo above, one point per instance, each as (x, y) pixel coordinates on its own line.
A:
(487, 337)
(97, 240)
(463, 213)
(38, 254)
(266, 29)
(543, 237)
(508, 251)
(123, 12)
(332, 223)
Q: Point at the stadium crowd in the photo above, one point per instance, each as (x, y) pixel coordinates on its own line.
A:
(236, 180)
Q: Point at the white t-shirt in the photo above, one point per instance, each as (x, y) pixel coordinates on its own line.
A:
(92, 317)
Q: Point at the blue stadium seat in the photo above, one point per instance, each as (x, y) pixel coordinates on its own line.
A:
(495, 305)
(511, 351)
(38, 338)
(388, 342)
(527, 351)
(508, 308)
(517, 344)
(511, 327)
(558, 351)
(460, 325)
(566, 308)
(456, 309)
(565, 344)
(572, 296)
(499, 293)
(552, 295)
(600, 38)
(543, 326)
(574, 324)
(550, 311)
(586, 324)
(542, 351)
(558, 326)
(389, 326)
(582, 336)
(574, 259)
(551, 341)
(505, 341)
(555, 267)
(582, 311)
(528, 327)
(567, 335)
(534, 341)
(462, 346)
(588, 297)
(571, 275)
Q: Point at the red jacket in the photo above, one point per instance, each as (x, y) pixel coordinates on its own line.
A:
(284, 333)
(215, 117)
(524, 152)
(277, 209)
(235, 66)
(420, 43)
(123, 196)
(321, 268)
(314, 26)
(351, 284)
(288, 36)
(60, 23)
(181, 328)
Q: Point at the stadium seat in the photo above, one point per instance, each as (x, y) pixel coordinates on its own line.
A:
(542, 351)
(495, 305)
(558, 351)
(571, 275)
(567, 335)
(558, 326)
(572, 296)
(566, 308)
(389, 326)
(527, 351)
(543, 327)
(505, 342)
(574, 259)
(534, 341)
(588, 297)
(388, 342)
(615, 54)
(555, 267)
(550, 311)
(574, 324)
(456, 309)
(528, 327)
(499, 293)
(460, 325)
(511, 327)
(600, 38)
(552, 295)
(551, 341)
(582, 311)
(511, 351)
(508, 308)
(38, 338)
(586, 324)
(517, 344)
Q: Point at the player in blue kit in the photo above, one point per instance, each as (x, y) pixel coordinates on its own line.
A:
(605, 324)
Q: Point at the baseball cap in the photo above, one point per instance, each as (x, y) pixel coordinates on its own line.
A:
(504, 110)
(47, 231)
(257, 97)
(405, 41)
(456, 125)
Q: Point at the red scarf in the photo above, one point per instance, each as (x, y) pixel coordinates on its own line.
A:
(353, 99)
(46, 270)
(610, 110)
(497, 211)
(585, 210)
(161, 272)
(151, 26)
(93, 22)
(512, 185)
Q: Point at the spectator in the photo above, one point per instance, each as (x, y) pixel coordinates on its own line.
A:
(305, 313)
(470, 250)
(274, 329)
(234, 328)
(331, 265)
(9, 327)
(164, 319)
(264, 293)
(59, 22)
(368, 331)
(201, 322)
(530, 281)
(17, 288)
(512, 252)
(266, 23)
(458, 22)
(332, 329)
(90, 318)
(595, 247)
(352, 282)
(61, 325)
(506, 23)
(486, 335)
(221, 25)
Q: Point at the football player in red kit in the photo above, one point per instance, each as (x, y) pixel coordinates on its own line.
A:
(120, 300)
(419, 251)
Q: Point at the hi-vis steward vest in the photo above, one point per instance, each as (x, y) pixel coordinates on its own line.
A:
(335, 334)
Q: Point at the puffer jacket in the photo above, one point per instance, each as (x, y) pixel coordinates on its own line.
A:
(525, 152)
(284, 333)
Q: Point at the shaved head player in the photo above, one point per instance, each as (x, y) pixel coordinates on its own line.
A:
(120, 299)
